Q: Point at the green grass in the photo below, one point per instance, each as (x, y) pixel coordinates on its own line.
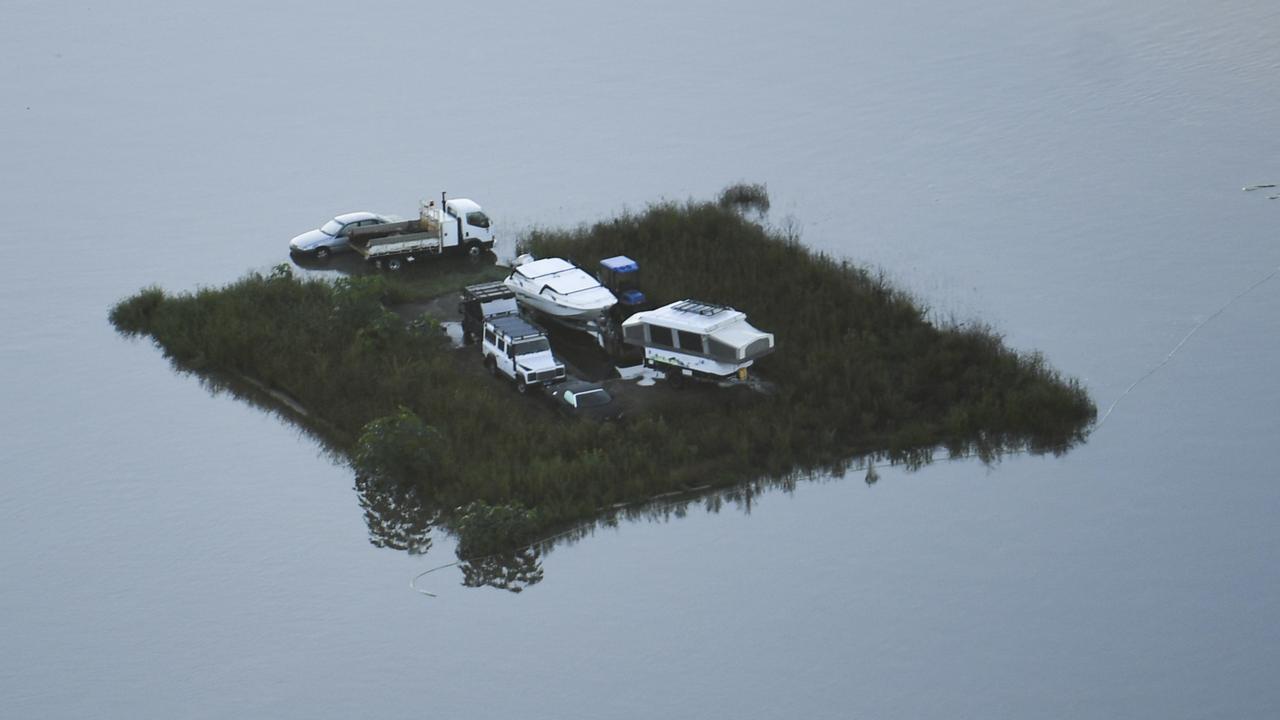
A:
(437, 277)
(859, 370)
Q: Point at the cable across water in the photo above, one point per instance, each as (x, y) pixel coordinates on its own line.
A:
(1183, 342)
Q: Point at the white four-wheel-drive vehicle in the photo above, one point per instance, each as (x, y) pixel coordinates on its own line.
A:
(519, 350)
(332, 236)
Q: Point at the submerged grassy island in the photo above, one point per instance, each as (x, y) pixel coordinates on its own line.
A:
(859, 372)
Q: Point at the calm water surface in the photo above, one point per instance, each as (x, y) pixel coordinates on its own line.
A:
(1070, 172)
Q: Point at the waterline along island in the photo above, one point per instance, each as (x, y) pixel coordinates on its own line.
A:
(858, 372)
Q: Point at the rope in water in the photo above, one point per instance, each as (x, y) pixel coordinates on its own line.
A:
(1202, 323)
(1183, 342)
(413, 584)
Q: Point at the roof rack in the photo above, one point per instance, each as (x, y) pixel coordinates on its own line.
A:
(515, 327)
(699, 308)
(487, 291)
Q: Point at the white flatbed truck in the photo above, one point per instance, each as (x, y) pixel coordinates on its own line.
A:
(457, 225)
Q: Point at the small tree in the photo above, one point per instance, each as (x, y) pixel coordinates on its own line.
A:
(746, 196)
(485, 529)
(400, 448)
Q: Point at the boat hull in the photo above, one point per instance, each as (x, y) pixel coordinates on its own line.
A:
(560, 309)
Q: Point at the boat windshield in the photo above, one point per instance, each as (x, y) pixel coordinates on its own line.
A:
(332, 228)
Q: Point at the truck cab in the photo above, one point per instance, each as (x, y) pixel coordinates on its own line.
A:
(466, 226)
(521, 351)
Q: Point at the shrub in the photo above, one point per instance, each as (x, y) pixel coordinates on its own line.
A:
(400, 448)
(745, 196)
(133, 316)
(485, 529)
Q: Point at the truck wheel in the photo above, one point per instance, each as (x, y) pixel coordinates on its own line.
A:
(323, 253)
(394, 264)
(474, 249)
(491, 365)
(522, 387)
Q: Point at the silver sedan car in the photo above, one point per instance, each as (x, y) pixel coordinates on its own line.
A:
(332, 236)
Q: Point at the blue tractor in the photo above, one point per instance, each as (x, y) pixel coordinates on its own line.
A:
(621, 275)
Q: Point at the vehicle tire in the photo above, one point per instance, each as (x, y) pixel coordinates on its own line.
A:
(394, 264)
(323, 253)
(675, 376)
(474, 249)
(491, 365)
(612, 346)
(522, 387)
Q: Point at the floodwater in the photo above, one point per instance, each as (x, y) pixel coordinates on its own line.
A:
(1069, 172)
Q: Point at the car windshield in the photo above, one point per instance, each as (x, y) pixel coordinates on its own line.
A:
(332, 228)
(531, 346)
(478, 219)
(592, 398)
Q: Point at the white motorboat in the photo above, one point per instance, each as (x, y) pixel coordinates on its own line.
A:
(559, 288)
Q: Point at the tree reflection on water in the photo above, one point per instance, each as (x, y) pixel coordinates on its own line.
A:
(508, 571)
(400, 519)
(397, 517)
(400, 516)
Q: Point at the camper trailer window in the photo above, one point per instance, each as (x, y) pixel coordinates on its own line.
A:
(634, 333)
(689, 341)
(659, 335)
(722, 351)
(756, 348)
(490, 337)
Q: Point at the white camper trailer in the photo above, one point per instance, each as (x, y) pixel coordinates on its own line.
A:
(698, 339)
